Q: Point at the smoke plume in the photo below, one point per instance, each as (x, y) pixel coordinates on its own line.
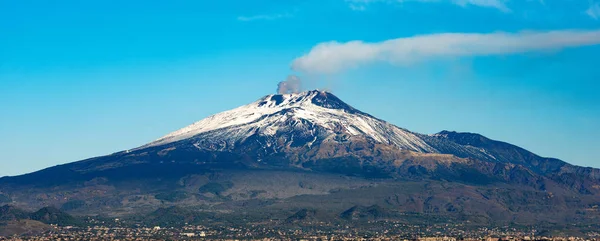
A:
(292, 84)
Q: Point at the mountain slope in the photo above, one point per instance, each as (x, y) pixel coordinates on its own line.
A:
(316, 131)
(469, 145)
(278, 152)
(315, 114)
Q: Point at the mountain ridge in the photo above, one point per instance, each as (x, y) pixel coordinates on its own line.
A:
(276, 112)
(268, 154)
(318, 107)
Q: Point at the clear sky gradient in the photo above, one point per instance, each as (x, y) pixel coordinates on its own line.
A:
(86, 78)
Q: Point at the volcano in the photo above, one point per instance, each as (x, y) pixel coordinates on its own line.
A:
(287, 152)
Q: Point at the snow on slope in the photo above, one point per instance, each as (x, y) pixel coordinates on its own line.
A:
(271, 112)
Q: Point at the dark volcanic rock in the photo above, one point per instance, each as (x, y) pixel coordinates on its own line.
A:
(305, 215)
(51, 215)
(364, 213)
(10, 213)
(312, 152)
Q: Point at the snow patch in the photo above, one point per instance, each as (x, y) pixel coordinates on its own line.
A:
(271, 112)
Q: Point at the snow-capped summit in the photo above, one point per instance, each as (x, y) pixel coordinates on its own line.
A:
(297, 148)
(310, 115)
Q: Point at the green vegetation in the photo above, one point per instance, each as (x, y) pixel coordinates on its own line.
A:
(364, 213)
(51, 215)
(9, 213)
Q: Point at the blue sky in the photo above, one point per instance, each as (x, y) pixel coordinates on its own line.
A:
(87, 78)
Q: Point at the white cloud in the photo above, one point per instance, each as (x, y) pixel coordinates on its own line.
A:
(360, 5)
(264, 17)
(331, 57)
(594, 11)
